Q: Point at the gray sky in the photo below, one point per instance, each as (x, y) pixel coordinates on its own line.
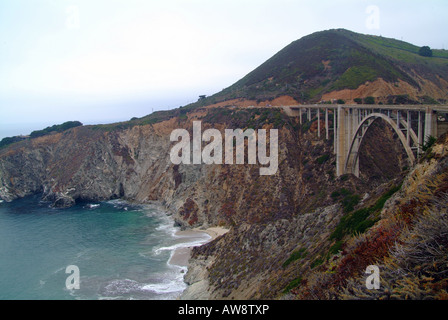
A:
(100, 61)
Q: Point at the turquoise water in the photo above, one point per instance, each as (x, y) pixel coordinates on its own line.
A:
(122, 251)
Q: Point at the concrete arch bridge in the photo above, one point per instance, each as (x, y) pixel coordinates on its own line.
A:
(413, 124)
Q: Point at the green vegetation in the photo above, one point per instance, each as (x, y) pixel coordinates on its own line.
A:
(361, 220)
(355, 76)
(10, 140)
(55, 128)
(335, 248)
(347, 198)
(429, 143)
(354, 223)
(425, 51)
(340, 192)
(315, 65)
(393, 48)
(427, 149)
(400, 99)
(369, 100)
(323, 159)
(428, 100)
(310, 67)
(39, 133)
(152, 118)
(248, 118)
(349, 202)
(379, 204)
(317, 262)
(333, 60)
(296, 255)
(293, 284)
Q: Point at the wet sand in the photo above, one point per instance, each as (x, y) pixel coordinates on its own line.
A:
(197, 237)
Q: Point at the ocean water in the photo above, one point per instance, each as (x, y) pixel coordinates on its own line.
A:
(122, 251)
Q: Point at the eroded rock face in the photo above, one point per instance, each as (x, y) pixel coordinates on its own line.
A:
(84, 164)
(62, 201)
(248, 262)
(269, 216)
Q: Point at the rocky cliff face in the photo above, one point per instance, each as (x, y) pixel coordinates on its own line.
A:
(400, 227)
(84, 164)
(291, 213)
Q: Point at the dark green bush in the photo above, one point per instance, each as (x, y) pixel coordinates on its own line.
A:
(429, 143)
(369, 100)
(293, 284)
(323, 159)
(10, 140)
(335, 194)
(425, 51)
(296, 255)
(359, 221)
(317, 262)
(55, 128)
(336, 248)
(349, 202)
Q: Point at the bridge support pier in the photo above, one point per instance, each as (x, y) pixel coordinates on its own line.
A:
(430, 124)
(341, 140)
(351, 122)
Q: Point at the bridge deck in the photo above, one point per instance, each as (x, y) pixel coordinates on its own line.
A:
(418, 107)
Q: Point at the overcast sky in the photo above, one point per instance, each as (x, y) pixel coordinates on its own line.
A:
(99, 61)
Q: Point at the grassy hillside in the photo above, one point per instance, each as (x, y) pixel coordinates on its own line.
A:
(317, 64)
(329, 61)
(334, 60)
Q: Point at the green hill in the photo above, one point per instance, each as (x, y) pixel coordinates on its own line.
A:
(339, 59)
(330, 61)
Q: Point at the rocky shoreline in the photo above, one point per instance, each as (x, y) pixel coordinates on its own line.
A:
(196, 275)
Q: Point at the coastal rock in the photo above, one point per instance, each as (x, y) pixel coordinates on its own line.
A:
(270, 217)
(197, 280)
(63, 202)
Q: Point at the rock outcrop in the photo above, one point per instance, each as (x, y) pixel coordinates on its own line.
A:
(270, 217)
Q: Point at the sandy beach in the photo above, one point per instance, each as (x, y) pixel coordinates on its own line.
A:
(196, 237)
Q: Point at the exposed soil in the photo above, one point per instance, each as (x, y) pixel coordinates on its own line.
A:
(381, 89)
(244, 103)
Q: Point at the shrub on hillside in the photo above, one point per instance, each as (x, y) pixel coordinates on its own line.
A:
(369, 100)
(55, 128)
(425, 51)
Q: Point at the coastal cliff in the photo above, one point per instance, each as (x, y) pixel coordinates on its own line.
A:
(301, 233)
(268, 216)
(399, 226)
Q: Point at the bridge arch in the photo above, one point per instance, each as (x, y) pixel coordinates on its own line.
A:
(352, 158)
